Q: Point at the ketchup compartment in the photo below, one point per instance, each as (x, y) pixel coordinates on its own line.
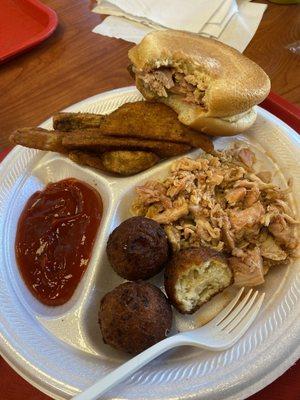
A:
(55, 237)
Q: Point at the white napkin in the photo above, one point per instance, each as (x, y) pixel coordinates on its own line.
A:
(105, 7)
(242, 27)
(222, 12)
(122, 28)
(213, 27)
(219, 21)
(189, 15)
(235, 26)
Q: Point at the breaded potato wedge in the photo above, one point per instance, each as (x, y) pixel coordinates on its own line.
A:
(92, 140)
(123, 163)
(85, 158)
(65, 121)
(152, 121)
(128, 162)
(38, 138)
(141, 119)
(194, 276)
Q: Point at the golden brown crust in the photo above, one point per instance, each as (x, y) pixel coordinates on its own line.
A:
(180, 264)
(136, 120)
(134, 316)
(91, 140)
(67, 121)
(124, 163)
(38, 138)
(127, 163)
(151, 121)
(89, 159)
(235, 83)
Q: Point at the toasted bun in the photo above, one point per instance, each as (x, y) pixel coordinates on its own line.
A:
(192, 116)
(232, 83)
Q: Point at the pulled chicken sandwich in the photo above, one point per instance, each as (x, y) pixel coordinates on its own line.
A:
(210, 85)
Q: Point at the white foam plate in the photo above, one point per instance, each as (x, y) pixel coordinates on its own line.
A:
(60, 350)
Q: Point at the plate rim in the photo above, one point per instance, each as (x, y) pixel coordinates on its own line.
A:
(16, 362)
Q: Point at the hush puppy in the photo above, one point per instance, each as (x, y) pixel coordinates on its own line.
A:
(134, 316)
(138, 248)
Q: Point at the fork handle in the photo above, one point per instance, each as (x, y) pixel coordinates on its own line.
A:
(128, 368)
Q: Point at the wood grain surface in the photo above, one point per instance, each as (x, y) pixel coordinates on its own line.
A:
(75, 63)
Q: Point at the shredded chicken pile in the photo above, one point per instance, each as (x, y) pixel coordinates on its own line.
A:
(220, 202)
(164, 80)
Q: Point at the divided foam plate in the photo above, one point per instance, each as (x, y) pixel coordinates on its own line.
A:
(60, 349)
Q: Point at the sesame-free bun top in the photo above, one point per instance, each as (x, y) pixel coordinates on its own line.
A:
(232, 83)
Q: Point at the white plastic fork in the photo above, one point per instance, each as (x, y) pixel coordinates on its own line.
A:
(219, 334)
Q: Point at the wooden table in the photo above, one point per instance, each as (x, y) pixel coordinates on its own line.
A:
(75, 63)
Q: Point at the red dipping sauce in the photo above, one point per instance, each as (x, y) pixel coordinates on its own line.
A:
(55, 238)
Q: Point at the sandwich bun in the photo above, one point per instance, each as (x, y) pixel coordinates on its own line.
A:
(215, 126)
(229, 83)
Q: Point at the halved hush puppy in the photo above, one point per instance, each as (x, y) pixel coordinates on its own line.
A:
(194, 276)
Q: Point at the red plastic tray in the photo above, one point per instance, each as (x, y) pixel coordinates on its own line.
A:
(287, 112)
(24, 24)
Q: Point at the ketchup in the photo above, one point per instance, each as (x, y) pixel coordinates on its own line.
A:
(55, 237)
